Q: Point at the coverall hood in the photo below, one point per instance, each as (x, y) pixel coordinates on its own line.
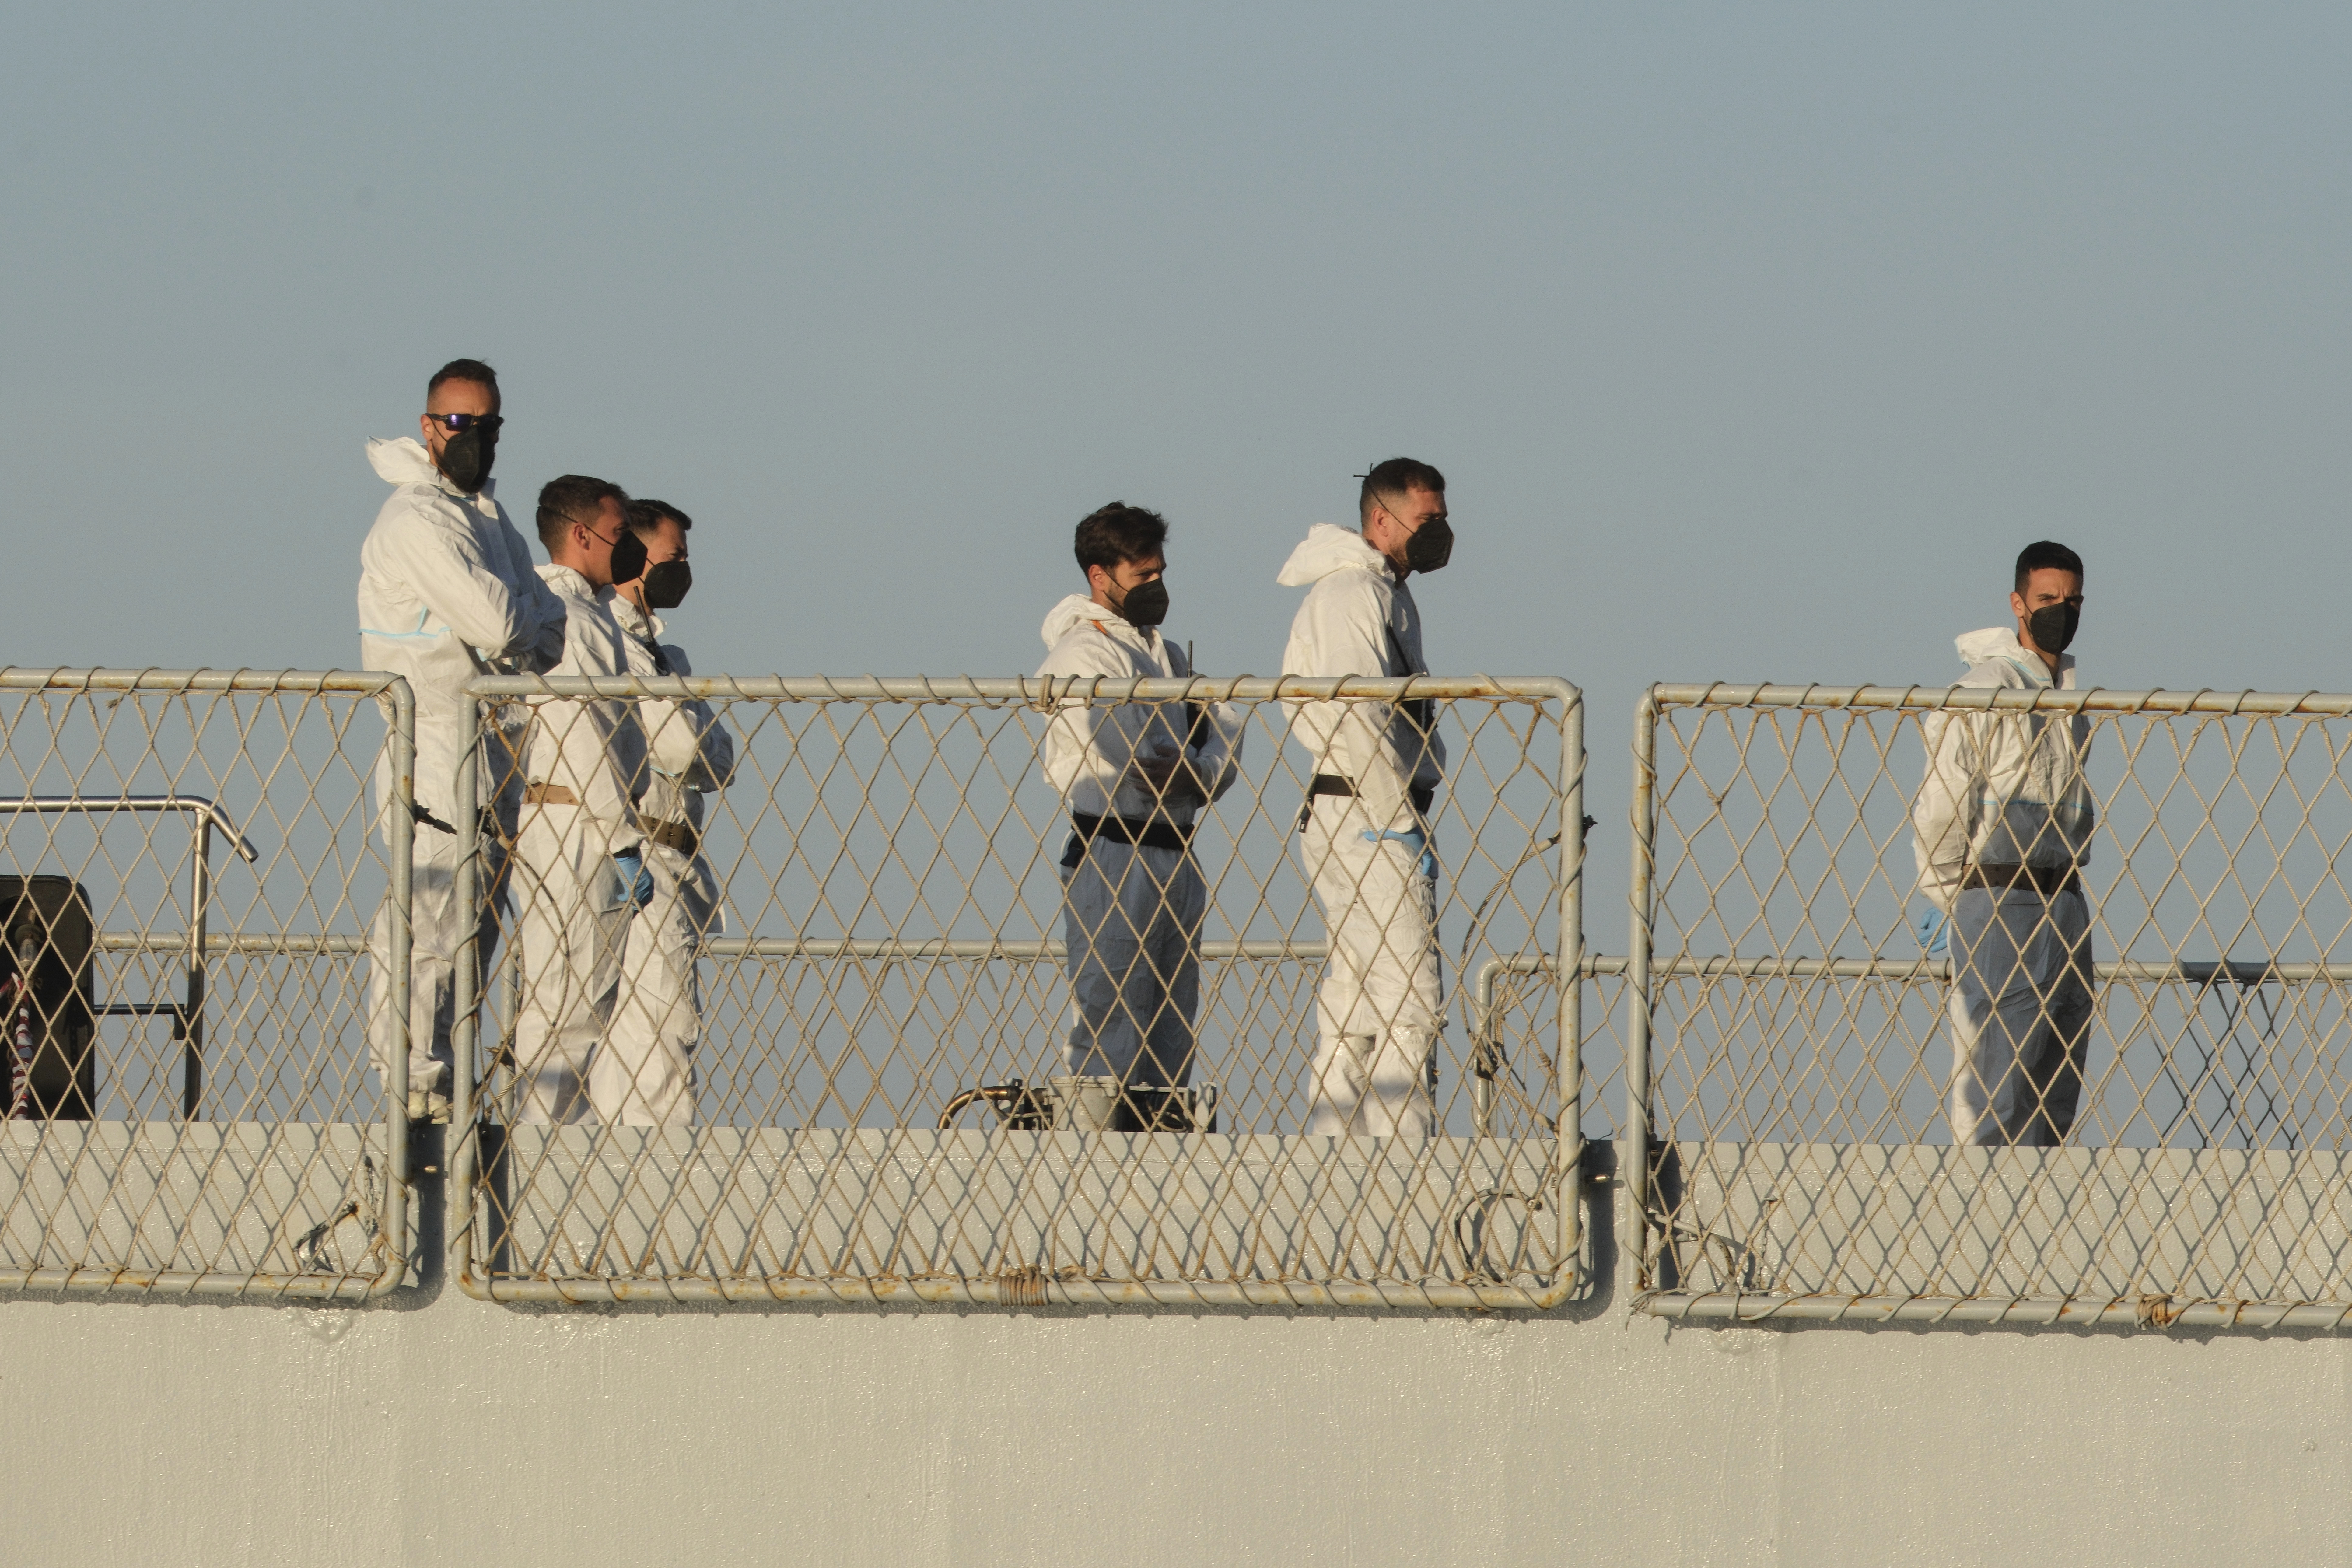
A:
(1077, 611)
(2001, 642)
(404, 460)
(1359, 619)
(2001, 789)
(1328, 548)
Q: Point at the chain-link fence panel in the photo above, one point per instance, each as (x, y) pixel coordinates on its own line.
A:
(2084, 1056)
(1605, 1010)
(879, 997)
(194, 874)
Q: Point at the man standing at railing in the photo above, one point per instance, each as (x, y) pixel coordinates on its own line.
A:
(579, 871)
(1366, 837)
(447, 591)
(643, 1075)
(1134, 775)
(2001, 831)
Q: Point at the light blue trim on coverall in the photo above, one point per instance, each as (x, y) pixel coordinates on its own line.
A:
(1412, 839)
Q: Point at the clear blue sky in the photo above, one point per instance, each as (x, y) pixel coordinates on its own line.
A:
(1753, 347)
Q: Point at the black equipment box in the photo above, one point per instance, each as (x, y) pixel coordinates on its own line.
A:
(48, 930)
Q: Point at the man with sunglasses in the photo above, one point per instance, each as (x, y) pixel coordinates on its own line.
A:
(447, 591)
(1365, 829)
(579, 873)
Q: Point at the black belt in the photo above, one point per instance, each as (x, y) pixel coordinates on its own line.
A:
(679, 835)
(2047, 880)
(1423, 796)
(1160, 834)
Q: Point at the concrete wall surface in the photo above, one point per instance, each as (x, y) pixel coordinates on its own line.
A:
(437, 1428)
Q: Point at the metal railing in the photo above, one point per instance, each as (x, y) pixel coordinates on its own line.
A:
(250, 1152)
(187, 1015)
(891, 854)
(889, 933)
(1790, 1052)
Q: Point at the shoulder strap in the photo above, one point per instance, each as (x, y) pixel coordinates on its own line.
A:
(1404, 665)
(661, 665)
(1421, 712)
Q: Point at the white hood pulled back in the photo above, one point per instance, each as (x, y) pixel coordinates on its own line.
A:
(1091, 749)
(1358, 619)
(2001, 788)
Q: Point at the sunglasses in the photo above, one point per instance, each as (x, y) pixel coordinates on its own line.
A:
(459, 424)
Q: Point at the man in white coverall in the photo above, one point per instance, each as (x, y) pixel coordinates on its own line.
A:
(1366, 830)
(643, 1075)
(579, 874)
(2002, 829)
(1134, 775)
(447, 591)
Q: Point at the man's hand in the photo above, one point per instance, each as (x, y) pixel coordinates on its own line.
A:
(1164, 766)
(1172, 778)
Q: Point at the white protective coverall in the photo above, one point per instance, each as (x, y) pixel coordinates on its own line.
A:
(2003, 790)
(1370, 856)
(447, 591)
(583, 760)
(643, 1075)
(1131, 912)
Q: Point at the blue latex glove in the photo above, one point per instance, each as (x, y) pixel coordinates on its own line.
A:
(1411, 838)
(635, 876)
(1935, 933)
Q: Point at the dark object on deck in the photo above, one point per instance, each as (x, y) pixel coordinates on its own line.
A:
(51, 937)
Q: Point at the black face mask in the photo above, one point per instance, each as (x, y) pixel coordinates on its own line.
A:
(1146, 603)
(666, 584)
(1430, 546)
(628, 557)
(2053, 626)
(467, 458)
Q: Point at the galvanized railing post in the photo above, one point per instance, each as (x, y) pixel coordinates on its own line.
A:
(1633, 1160)
(401, 892)
(465, 1024)
(192, 1018)
(1569, 975)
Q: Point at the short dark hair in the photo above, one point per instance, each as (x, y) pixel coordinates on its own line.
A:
(1395, 477)
(1119, 532)
(645, 518)
(573, 497)
(2042, 554)
(465, 370)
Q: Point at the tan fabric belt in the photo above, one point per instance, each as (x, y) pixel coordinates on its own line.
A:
(2047, 880)
(679, 835)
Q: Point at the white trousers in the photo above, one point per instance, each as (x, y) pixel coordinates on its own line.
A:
(438, 930)
(643, 1075)
(1380, 1006)
(573, 918)
(1131, 921)
(2020, 1014)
